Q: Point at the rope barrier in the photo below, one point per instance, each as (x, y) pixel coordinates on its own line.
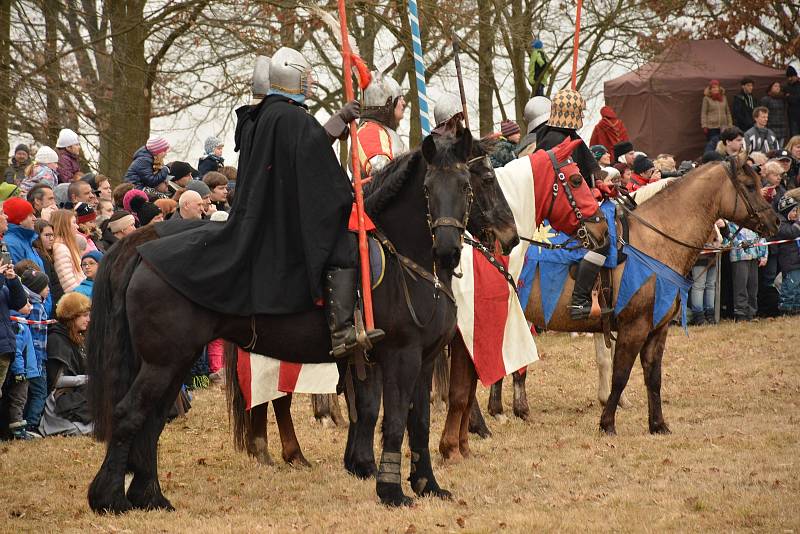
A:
(728, 249)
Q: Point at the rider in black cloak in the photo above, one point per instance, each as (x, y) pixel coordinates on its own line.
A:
(285, 246)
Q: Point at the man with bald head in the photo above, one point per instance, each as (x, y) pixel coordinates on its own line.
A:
(190, 205)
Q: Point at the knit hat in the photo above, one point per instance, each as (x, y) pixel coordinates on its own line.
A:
(642, 164)
(17, 209)
(537, 44)
(126, 200)
(84, 213)
(179, 169)
(219, 216)
(622, 148)
(598, 151)
(566, 110)
(145, 211)
(711, 155)
(120, 220)
(71, 305)
(509, 127)
(212, 143)
(35, 280)
(96, 255)
(199, 187)
(612, 172)
(157, 145)
(790, 71)
(67, 137)
(46, 155)
(24, 148)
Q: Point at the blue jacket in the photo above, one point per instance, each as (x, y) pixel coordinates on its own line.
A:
(140, 173)
(209, 163)
(12, 297)
(19, 242)
(24, 362)
(85, 288)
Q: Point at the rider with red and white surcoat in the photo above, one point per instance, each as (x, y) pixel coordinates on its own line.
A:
(383, 107)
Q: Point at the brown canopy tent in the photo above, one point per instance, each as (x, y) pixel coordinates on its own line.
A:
(660, 102)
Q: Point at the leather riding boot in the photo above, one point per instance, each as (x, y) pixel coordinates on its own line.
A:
(581, 305)
(340, 306)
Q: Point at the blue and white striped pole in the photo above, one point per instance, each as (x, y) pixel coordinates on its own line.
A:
(419, 67)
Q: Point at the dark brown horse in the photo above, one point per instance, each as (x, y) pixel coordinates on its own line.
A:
(145, 335)
(685, 211)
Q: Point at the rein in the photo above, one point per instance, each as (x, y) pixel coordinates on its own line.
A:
(492, 260)
(752, 213)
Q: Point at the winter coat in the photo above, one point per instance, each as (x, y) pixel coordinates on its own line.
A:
(38, 331)
(85, 288)
(19, 241)
(609, 131)
(39, 174)
(14, 173)
(745, 237)
(792, 91)
(209, 163)
(760, 139)
(64, 358)
(503, 153)
(788, 253)
(778, 121)
(24, 362)
(67, 165)
(715, 113)
(12, 297)
(140, 172)
(68, 275)
(742, 110)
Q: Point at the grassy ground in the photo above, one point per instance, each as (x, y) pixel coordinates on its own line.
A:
(731, 396)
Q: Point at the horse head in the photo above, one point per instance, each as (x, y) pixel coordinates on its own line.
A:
(449, 193)
(742, 203)
(491, 218)
(563, 196)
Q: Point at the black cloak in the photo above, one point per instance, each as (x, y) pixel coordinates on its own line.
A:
(550, 137)
(292, 204)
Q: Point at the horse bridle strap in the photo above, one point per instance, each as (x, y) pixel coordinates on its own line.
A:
(583, 233)
(447, 221)
(492, 260)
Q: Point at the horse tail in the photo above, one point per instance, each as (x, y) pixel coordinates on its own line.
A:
(441, 375)
(112, 363)
(237, 407)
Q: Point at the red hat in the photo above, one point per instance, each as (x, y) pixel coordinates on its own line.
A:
(17, 209)
(713, 82)
(509, 127)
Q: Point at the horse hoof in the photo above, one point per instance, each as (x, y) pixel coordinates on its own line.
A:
(608, 430)
(118, 505)
(298, 461)
(501, 418)
(264, 458)
(327, 422)
(437, 492)
(660, 429)
(155, 502)
(396, 501)
(362, 470)
(465, 452)
(525, 415)
(452, 456)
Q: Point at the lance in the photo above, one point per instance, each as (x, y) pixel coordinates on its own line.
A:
(363, 251)
(460, 80)
(575, 45)
(419, 68)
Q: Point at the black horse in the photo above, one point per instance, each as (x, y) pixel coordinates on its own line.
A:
(145, 335)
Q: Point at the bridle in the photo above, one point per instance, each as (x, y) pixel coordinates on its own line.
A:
(449, 221)
(752, 213)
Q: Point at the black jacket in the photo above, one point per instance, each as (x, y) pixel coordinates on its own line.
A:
(550, 137)
(788, 253)
(792, 91)
(209, 163)
(12, 297)
(292, 204)
(742, 111)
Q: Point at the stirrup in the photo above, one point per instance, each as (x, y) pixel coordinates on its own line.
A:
(580, 312)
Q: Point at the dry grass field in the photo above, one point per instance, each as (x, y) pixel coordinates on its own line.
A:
(732, 398)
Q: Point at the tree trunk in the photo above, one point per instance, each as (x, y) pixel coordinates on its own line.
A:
(54, 120)
(130, 113)
(485, 70)
(5, 75)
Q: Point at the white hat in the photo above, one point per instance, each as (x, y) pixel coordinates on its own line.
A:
(45, 155)
(612, 172)
(219, 216)
(67, 137)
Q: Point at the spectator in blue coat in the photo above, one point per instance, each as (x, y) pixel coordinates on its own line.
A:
(90, 262)
(21, 234)
(23, 367)
(147, 168)
(37, 289)
(12, 297)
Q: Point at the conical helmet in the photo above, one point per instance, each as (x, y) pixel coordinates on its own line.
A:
(566, 110)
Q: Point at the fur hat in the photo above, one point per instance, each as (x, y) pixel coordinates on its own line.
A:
(642, 164)
(46, 155)
(622, 148)
(17, 209)
(35, 280)
(212, 143)
(145, 211)
(71, 305)
(67, 137)
(567, 110)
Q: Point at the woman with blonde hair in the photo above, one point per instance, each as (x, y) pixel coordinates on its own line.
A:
(793, 148)
(66, 250)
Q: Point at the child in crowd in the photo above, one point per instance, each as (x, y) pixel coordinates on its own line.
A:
(90, 262)
(789, 253)
(748, 254)
(23, 367)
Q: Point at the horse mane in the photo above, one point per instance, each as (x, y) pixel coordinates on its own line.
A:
(388, 181)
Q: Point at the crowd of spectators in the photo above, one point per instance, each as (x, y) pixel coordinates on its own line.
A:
(56, 222)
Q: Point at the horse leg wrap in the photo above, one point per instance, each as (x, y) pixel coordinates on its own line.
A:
(389, 470)
(420, 470)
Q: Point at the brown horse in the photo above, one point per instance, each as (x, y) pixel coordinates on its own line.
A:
(684, 211)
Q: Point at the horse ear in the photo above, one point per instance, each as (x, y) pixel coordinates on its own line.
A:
(464, 147)
(429, 149)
